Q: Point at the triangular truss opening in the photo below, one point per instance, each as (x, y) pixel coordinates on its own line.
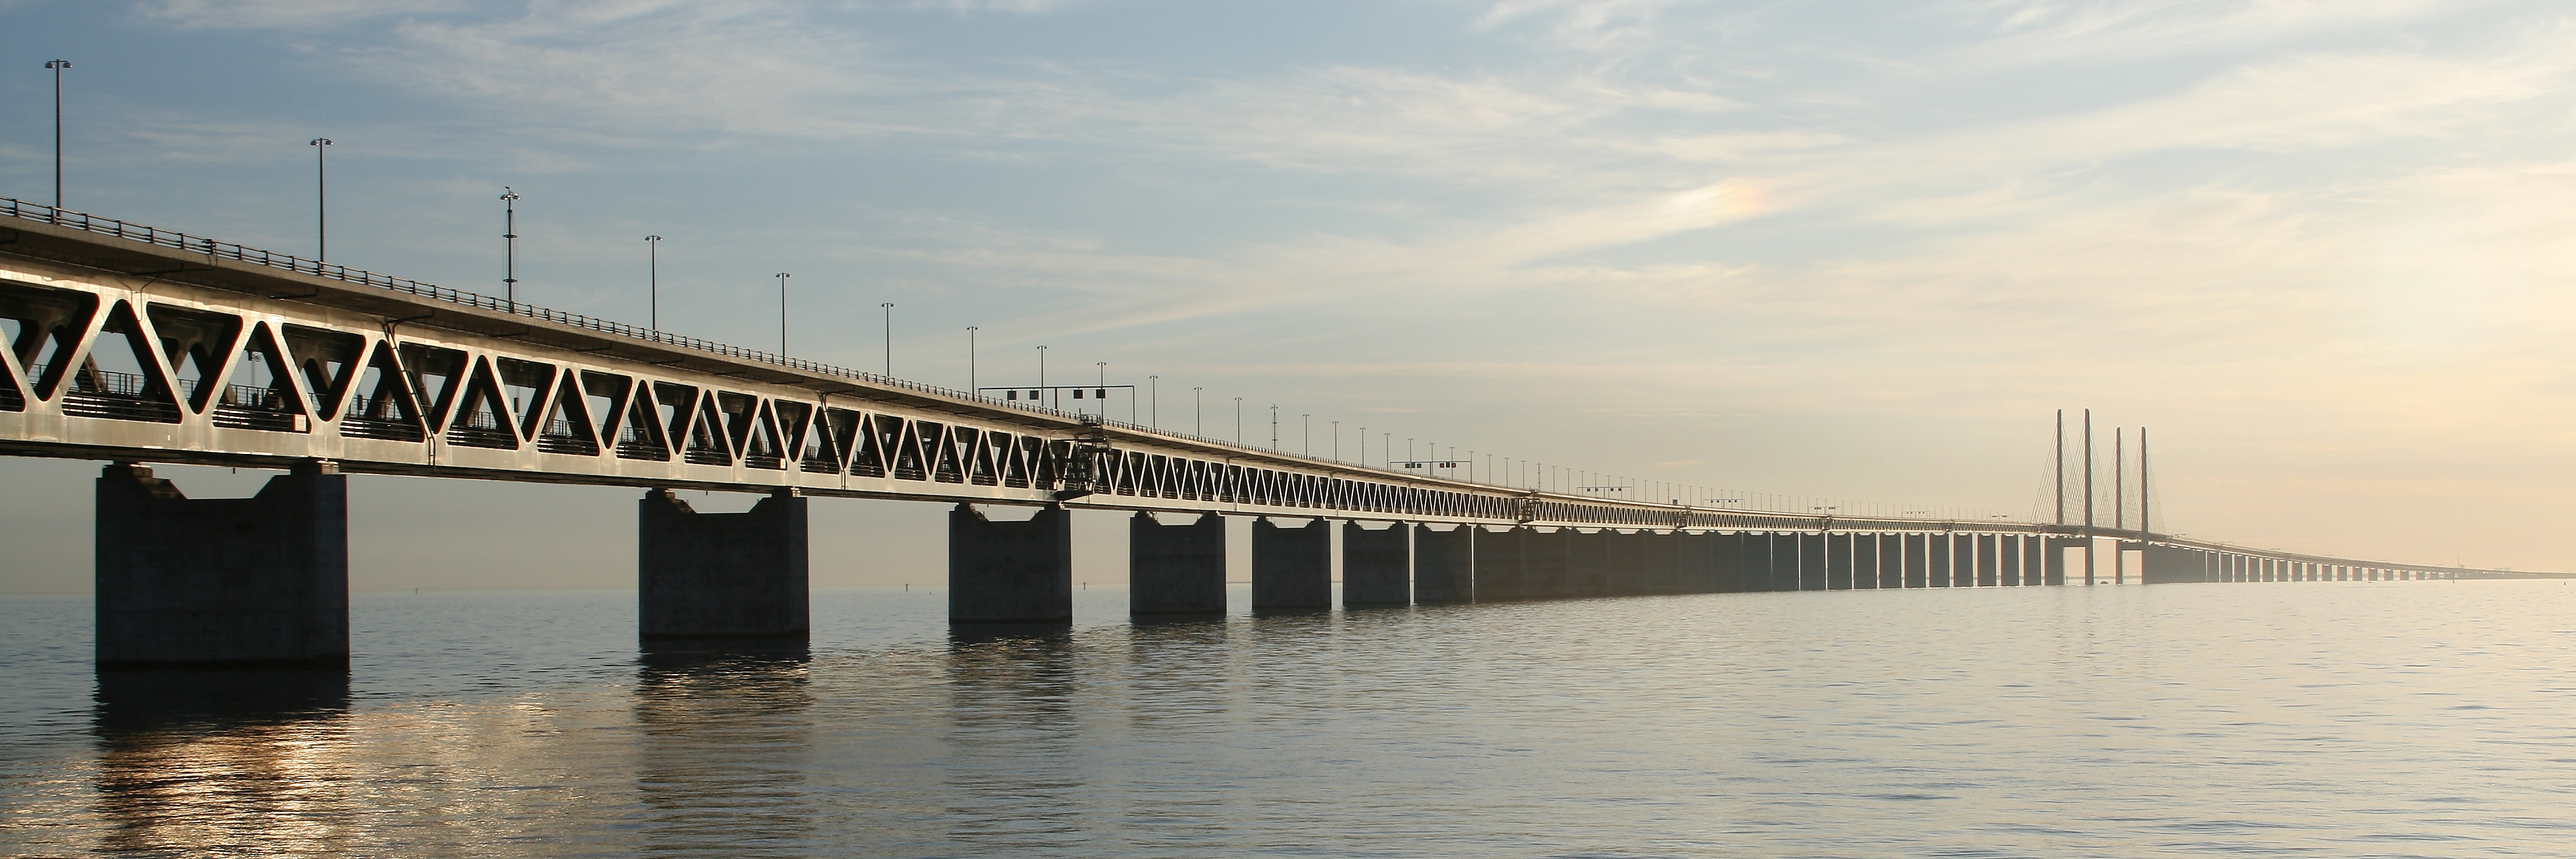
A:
(383, 406)
(738, 410)
(435, 377)
(947, 468)
(567, 427)
(762, 449)
(877, 434)
(121, 378)
(907, 454)
(42, 326)
(258, 394)
(525, 385)
(707, 445)
(482, 419)
(197, 344)
(328, 360)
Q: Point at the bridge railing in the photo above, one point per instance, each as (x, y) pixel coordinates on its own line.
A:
(85, 222)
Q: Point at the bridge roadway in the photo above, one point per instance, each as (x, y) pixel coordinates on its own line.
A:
(138, 345)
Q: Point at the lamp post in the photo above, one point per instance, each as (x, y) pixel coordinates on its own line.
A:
(889, 338)
(1238, 421)
(970, 360)
(653, 280)
(510, 246)
(782, 314)
(1337, 441)
(1042, 385)
(1198, 412)
(58, 66)
(1306, 436)
(1154, 400)
(321, 204)
(1274, 426)
(1103, 390)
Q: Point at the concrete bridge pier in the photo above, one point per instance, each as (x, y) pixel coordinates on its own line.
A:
(1784, 561)
(1444, 565)
(721, 575)
(1010, 572)
(1963, 560)
(1694, 562)
(1811, 562)
(2034, 561)
(1838, 561)
(1942, 558)
(1659, 555)
(1292, 568)
(1989, 561)
(2008, 560)
(1501, 562)
(1377, 566)
(1176, 569)
(1587, 562)
(1545, 557)
(1631, 574)
(1865, 561)
(2054, 570)
(1915, 560)
(223, 582)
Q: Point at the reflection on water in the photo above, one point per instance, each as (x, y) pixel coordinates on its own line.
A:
(2371, 720)
(246, 761)
(724, 739)
(1013, 733)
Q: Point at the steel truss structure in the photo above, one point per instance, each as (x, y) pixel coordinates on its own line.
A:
(125, 342)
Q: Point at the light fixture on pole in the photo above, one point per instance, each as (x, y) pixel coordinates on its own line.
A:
(782, 314)
(653, 281)
(1274, 426)
(321, 204)
(889, 338)
(510, 246)
(970, 359)
(1198, 412)
(58, 66)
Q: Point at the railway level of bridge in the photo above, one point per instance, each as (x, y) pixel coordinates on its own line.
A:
(136, 345)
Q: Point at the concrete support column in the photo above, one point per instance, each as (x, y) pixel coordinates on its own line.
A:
(1838, 562)
(222, 582)
(721, 575)
(1811, 562)
(1544, 556)
(2034, 561)
(1865, 561)
(1175, 569)
(1916, 561)
(1501, 559)
(1292, 568)
(1659, 555)
(1784, 561)
(1989, 561)
(2008, 559)
(1694, 563)
(1444, 565)
(1943, 557)
(1963, 560)
(1588, 562)
(1010, 572)
(2054, 570)
(1377, 566)
(1752, 561)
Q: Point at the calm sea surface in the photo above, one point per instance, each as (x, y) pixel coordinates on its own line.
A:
(2327, 720)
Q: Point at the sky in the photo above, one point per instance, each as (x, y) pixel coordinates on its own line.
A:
(1842, 253)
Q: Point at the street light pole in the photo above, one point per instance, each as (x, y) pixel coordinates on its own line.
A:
(970, 360)
(653, 280)
(1042, 385)
(1154, 400)
(1337, 441)
(1198, 412)
(1306, 436)
(58, 66)
(1274, 426)
(782, 314)
(510, 246)
(321, 204)
(1238, 421)
(889, 338)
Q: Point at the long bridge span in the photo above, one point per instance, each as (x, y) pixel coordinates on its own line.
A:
(137, 345)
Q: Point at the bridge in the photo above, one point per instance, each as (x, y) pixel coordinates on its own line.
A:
(137, 345)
